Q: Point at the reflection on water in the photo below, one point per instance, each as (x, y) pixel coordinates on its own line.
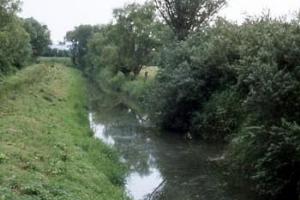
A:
(99, 131)
(140, 182)
(162, 166)
(145, 184)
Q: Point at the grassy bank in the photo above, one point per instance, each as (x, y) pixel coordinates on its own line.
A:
(46, 148)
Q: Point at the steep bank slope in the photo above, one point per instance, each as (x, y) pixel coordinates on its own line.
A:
(46, 148)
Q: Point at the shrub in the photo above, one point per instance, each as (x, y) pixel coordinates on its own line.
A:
(270, 158)
(242, 80)
(221, 116)
(15, 48)
(274, 94)
(117, 81)
(191, 72)
(266, 149)
(137, 89)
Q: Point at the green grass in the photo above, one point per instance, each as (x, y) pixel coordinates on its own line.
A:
(54, 60)
(46, 147)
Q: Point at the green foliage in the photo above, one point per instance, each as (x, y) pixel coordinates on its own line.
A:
(270, 157)
(117, 81)
(126, 45)
(54, 52)
(269, 79)
(192, 71)
(101, 53)
(186, 16)
(137, 36)
(79, 39)
(39, 36)
(8, 10)
(14, 40)
(268, 69)
(127, 87)
(136, 88)
(220, 117)
(15, 48)
(274, 95)
(241, 82)
(113, 55)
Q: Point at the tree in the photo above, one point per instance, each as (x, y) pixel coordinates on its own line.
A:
(125, 45)
(14, 40)
(102, 52)
(184, 16)
(55, 52)
(39, 36)
(136, 39)
(79, 39)
(8, 9)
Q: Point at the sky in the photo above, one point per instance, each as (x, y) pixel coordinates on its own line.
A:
(63, 15)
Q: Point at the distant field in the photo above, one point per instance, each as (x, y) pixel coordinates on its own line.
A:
(152, 72)
(46, 148)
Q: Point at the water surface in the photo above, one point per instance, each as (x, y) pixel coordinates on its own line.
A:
(162, 166)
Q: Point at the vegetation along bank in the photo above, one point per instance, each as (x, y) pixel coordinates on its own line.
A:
(216, 80)
(46, 147)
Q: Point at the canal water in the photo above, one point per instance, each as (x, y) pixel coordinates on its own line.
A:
(162, 166)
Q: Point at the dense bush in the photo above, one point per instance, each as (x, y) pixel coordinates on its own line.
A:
(239, 82)
(191, 72)
(269, 69)
(270, 158)
(269, 77)
(15, 48)
(220, 117)
(137, 89)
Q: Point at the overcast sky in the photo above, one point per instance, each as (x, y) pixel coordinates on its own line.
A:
(63, 15)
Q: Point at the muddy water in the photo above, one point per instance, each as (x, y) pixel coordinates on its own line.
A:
(162, 166)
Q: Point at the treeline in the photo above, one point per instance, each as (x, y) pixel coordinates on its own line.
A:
(21, 40)
(217, 80)
(55, 52)
(124, 45)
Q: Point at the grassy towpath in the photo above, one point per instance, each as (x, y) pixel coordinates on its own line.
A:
(46, 147)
